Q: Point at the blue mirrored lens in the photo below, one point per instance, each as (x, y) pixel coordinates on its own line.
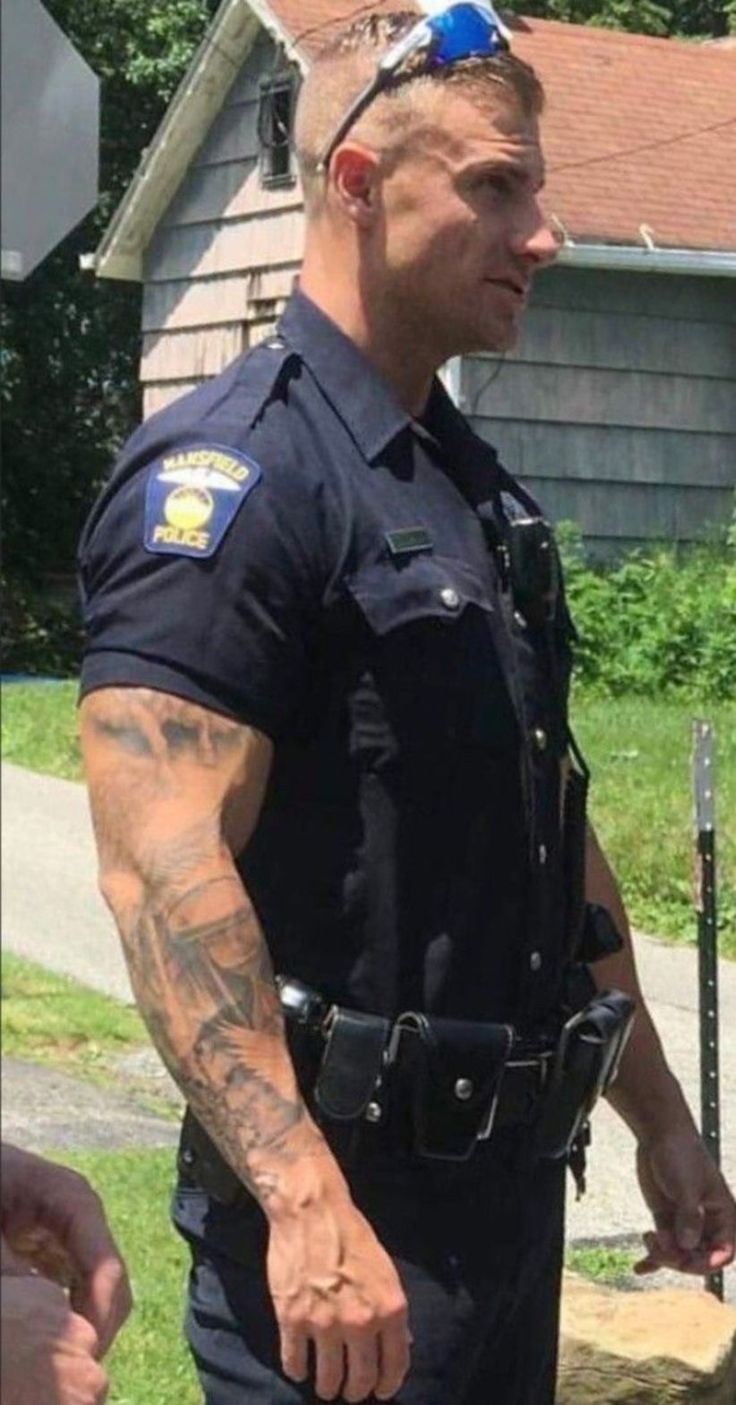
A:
(462, 32)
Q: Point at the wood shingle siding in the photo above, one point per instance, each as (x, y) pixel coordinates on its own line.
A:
(618, 406)
(208, 302)
(223, 260)
(188, 355)
(233, 246)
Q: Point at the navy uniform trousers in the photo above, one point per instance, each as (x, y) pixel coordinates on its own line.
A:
(478, 1246)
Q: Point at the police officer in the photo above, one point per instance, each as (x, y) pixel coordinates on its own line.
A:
(325, 730)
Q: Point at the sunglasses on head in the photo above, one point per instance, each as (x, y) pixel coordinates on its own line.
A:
(461, 31)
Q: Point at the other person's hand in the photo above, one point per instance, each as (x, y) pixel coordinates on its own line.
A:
(693, 1209)
(333, 1286)
(52, 1217)
(49, 1351)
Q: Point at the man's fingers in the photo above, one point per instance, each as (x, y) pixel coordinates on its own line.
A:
(81, 1335)
(689, 1226)
(104, 1298)
(362, 1372)
(294, 1353)
(394, 1356)
(329, 1371)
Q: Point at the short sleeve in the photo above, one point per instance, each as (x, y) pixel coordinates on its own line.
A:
(232, 629)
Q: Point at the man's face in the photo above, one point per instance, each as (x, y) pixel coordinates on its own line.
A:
(463, 232)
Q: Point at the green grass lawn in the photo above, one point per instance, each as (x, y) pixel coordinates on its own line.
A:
(55, 1020)
(603, 1262)
(149, 1364)
(638, 750)
(641, 804)
(39, 728)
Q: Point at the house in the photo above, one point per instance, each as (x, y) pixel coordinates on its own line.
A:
(618, 406)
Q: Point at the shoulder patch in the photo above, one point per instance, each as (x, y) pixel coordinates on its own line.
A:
(192, 497)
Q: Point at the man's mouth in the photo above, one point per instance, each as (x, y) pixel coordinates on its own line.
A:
(513, 285)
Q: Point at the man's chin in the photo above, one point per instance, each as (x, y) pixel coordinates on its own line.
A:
(496, 340)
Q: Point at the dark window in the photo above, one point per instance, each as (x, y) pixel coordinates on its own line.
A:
(275, 120)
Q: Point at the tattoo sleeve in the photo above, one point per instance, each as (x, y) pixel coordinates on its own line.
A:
(175, 789)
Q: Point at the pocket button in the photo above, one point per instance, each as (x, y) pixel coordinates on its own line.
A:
(449, 597)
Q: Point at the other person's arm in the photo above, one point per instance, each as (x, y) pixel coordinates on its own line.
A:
(692, 1207)
(55, 1208)
(55, 1221)
(176, 790)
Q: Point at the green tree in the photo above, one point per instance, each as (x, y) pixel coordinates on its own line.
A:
(703, 19)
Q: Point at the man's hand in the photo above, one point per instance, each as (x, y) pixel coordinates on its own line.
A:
(334, 1286)
(693, 1209)
(40, 1200)
(49, 1351)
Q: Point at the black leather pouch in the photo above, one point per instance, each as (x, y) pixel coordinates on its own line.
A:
(453, 1071)
(352, 1065)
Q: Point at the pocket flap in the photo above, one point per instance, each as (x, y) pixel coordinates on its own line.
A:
(426, 587)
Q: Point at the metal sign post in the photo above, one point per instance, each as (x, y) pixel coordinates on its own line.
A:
(710, 1111)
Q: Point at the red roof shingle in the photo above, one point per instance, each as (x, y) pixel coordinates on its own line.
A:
(637, 131)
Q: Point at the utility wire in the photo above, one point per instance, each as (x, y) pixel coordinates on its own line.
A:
(648, 146)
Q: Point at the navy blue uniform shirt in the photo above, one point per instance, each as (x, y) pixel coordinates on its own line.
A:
(285, 545)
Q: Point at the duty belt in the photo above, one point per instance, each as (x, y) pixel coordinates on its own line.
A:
(437, 1088)
(455, 1081)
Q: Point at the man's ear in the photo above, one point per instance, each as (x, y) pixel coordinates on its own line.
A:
(354, 178)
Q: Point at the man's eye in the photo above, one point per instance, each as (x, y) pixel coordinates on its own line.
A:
(501, 184)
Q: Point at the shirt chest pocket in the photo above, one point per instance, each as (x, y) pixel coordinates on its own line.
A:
(428, 674)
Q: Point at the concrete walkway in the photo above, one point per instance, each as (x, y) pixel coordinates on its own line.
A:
(53, 914)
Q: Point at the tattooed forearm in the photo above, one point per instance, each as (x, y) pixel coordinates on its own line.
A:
(204, 981)
(163, 773)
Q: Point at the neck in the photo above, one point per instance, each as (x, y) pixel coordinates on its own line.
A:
(367, 317)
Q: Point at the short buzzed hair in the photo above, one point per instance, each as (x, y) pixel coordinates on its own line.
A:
(341, 70)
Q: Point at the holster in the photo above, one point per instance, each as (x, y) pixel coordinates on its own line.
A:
(200, 1164)
(453, 1071)
(588, 1055)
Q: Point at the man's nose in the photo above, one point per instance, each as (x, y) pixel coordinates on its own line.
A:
(538, 242)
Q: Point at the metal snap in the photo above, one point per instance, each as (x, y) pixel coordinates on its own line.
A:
(464, 1089)
(539, 737)
(373, 1112)
(535, 960)
(542, 854)
(449, 597)
(188, 1156)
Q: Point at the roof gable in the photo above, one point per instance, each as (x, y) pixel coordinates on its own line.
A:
(639, 133)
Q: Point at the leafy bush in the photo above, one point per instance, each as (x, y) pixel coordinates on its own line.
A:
(40, 635)
(657, 623)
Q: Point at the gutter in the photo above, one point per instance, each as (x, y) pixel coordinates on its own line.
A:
(113, 258)
(632, 258)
